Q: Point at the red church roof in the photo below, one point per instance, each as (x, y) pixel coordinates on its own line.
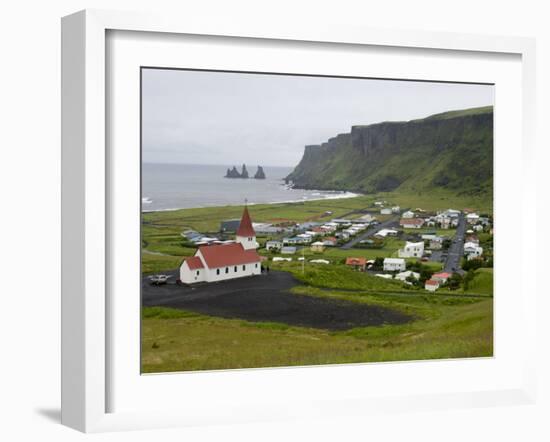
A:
(245, 227)
(225, 255)
(194, 263)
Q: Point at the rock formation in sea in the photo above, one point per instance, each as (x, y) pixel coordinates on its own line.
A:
(232, 173)
(260, 174)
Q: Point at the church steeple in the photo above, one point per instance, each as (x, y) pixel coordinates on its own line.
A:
(245, 233)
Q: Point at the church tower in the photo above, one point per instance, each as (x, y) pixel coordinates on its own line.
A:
(245, 233)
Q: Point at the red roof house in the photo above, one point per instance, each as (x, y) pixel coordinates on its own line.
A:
(442, 276)
(414, 223)
(356, 262)
(431, 285)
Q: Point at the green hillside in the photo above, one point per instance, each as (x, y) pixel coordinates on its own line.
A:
(451, 151)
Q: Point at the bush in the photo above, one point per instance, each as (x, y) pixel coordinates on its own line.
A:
(472, 264)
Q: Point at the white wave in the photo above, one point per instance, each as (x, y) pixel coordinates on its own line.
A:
(325, 195)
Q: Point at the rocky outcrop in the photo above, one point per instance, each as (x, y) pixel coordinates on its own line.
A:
(234, 173)
(260, 174)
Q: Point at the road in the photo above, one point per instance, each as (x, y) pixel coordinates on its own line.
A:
(392, 222)
(456, 250)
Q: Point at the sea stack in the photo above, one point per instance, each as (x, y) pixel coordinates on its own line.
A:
(260, 174)
(244, 173)
(232, 173)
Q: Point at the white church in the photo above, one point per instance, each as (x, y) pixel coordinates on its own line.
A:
(220, 262)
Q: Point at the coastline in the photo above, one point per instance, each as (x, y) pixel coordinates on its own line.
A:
(340, 195)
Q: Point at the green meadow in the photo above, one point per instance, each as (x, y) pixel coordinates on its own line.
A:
(446, 327)
(448, 324)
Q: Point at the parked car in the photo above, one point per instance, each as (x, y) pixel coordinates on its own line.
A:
(159, 279)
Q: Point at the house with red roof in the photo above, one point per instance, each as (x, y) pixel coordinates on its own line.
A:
(219, 262)
(357, 263)
(431, 285)
(442, 277)
(411, 223)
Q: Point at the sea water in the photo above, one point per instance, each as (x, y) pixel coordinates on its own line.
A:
(179, 186)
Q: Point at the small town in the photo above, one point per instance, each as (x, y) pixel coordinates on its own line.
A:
(438, 248)
(362, 279)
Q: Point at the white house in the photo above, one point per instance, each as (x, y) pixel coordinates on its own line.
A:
(473, 250)
(407, 214)
(445, 222)
(385, 211)
(436, 243)
(472, 218)
(396, 209)
(304, 237)
(404, 275)
(273, 245)
(394, 264)
(367, 218)
(225, 261)
(386, 232)
(317, 247)
(293, 240)
(471, 247)
(412, 250)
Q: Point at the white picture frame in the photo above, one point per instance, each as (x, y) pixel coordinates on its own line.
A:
(86, 212)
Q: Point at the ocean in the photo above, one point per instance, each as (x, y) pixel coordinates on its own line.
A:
(181, 186)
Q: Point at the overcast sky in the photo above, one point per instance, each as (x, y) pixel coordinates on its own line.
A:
(224, 118)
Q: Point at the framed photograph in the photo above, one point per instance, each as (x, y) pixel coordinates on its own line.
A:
(263, 224)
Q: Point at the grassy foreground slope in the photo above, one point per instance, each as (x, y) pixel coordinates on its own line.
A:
(449, 327)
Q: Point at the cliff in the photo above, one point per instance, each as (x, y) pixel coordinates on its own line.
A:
(453, 150)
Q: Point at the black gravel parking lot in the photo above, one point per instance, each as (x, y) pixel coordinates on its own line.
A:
(266, 298)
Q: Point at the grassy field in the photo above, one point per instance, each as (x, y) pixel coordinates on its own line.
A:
(447, 327)
(482, 282)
